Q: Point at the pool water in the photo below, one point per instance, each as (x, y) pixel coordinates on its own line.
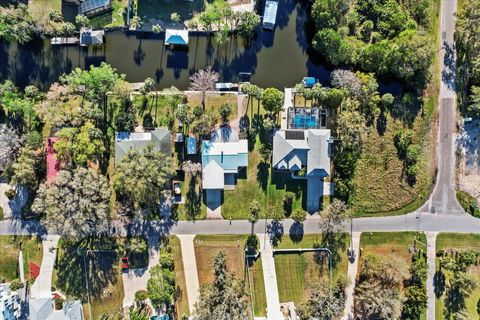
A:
(303, 121)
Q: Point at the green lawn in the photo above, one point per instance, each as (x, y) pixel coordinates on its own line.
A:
(258, 285)
(194, 207)
(112, 18)
(296, 272)
(181, 304)
(458, 241)
(41, 8)
(259, 183)
(32, 252)
(104, 275)
(161, 10)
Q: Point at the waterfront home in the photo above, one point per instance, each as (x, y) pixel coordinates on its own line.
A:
(306, 154)
(160, 138)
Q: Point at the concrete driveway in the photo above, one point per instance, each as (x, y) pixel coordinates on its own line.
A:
(42, 287)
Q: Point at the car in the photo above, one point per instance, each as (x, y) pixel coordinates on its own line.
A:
(124, 264)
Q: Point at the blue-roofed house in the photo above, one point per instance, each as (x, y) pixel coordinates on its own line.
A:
(270, 14)
(176, 37)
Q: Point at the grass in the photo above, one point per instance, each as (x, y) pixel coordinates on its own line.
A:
(112, 18)
(213, 102)
(32, 252)
(104, 275)
(181, 304)
(161, 10)
(259, 183)
(458, 241)
(208, 246)
(257, 285)
(194, 207)
(296, 272)
(41, 8)
(468, 202)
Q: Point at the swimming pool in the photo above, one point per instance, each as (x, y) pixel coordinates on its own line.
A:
(306, 118)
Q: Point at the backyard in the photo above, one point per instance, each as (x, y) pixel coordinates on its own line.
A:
(297, 272)
(161, 10)
(456, 241)
(32, 252)
(111, 18)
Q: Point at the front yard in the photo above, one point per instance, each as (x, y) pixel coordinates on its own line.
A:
(10, 249)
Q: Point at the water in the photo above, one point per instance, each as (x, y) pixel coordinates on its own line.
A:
(275, 59)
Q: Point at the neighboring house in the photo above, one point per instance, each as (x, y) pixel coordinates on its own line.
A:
(176, 37)
(10, 308)
(306, 152)
(88, 36)
(161, 139)
(91, 7)
(43, 309)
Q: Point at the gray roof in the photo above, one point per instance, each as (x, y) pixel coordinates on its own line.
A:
(312, 150)
(89, 36)
(213, 176)
(161, 139)
(270, 14)
(42, 309)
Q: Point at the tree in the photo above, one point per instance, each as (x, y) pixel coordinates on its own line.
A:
(140, 175)
(156, 28)
(248, 24)
(299, 216)
(25, 168)
(351, 130)
(10, 144)
(272, 101)
(333, 47)
(225, 111)
(346, 80)
(191, 168)
(16, 24)
(415, 302)
(161, 286)
(225, 298)
(15, 285)
(185, 116)
(473, 108)
(333, 217)
(136, 22)
(323, 303)
(204, 80)
(74, 204)
(82, 20)
(254, 212)
(175, 17)
(204, 125)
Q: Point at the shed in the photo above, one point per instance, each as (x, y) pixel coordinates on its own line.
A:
(270, 14)
(191, 145)
(176, 37)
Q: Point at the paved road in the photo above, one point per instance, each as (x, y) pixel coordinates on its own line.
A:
(443, 200)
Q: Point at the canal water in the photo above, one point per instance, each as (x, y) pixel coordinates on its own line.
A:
(275, 59)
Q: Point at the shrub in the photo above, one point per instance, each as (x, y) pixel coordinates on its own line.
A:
(469, 203)
(58, 303)
(15, 285)
(299, 215)
(10, 193)
(141, 295)
(1, 213)
(288, 202)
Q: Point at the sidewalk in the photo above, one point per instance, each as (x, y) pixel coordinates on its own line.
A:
(190, 269)
(270, 279)
(352, 276)
(42, 287)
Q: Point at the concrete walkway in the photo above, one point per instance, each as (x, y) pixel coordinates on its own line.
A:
(431, 253)
(270, 279)
(21, 269)
(352, 276)
(287, 103)
(190, 269)
(42, 287)
(136, 279)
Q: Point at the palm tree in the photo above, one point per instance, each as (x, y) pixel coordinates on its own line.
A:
(204, 80)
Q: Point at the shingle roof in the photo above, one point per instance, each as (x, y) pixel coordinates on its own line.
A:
(125, 141)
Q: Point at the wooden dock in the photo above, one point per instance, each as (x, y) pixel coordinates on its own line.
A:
(64, 40)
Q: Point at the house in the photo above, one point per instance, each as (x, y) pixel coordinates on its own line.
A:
(221, 161)
(88, 36)
(161, 139)
(176, 37)
(270, 15)
(91, 7)
(10, 308)
(306, 154)
(43, 309)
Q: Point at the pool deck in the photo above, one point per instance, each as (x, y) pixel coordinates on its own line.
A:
(287, 103)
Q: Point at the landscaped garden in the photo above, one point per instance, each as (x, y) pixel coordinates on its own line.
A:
(10, 248)
(457, 277)
(392, 274)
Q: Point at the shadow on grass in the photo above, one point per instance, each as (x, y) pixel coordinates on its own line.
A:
(263, 174)
(275, 232)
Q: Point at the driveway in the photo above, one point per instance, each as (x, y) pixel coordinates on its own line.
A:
(42, 287)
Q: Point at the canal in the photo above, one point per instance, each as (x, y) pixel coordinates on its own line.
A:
(275, 59)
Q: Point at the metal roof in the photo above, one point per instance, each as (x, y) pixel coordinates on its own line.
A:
(270, 14)
(178, 37)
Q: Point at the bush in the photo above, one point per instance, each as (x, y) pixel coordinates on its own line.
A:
(15, 285)
(288, 202)
(141, 295)
(469, 203)
(58, 303)
(1, 213)
(10, 193)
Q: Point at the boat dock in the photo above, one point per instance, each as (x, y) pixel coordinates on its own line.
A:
(64, 40)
